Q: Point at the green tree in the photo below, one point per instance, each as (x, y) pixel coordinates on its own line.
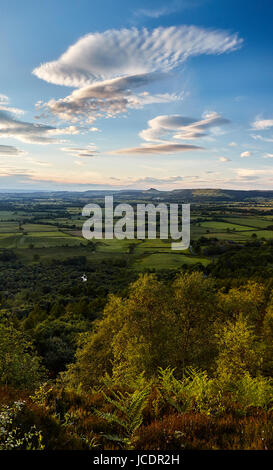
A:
(94, 355)
(267, 336)
(195, 307)
(134, 335)
(20, 367)
(239, 351)
(157, 325)
(247, 300)
(143, 343)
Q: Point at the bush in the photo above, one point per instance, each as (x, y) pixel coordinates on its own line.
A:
(20, 367)
(195, 431)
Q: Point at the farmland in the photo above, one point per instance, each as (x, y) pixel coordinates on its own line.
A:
(40, 228)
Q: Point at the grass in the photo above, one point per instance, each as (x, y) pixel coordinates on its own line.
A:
(220, 226)
(57, 238)
(56, 234)
(38, 241)
(231, 236)
(250, 221)
(115, 245)
(168, 260)
(8, 215)
(62, 253)
(267, 234)
(9, 227)
(38, 228)
(146, 246)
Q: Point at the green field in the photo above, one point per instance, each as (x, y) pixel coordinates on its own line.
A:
(251, 221)
(38, 228)
(168, 260)
(220, 226)
(9, 227)
(116, 246)
(54, 230)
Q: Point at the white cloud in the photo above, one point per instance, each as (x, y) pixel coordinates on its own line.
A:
(153, 180)
(232, 144)
(268, 155)
(249, 174)
(6, 171)
(245, 154)
(154, 13)
(105, 67)
(262, 124)
(4, 100)
(29, 132)
(172, 7)
(89, 151)
(9, 109)
(224, 159)
(38, 162)
(174, 127)
(5, 106)
(167, 148)
(107, 98)
(116, 53)
(70, 130)
(163, 10)
(185, 128)
(262, 138)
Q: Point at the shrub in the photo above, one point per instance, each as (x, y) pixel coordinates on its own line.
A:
(196, 431)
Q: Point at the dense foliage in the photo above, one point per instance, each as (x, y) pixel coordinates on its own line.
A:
(166, 354)
(150, 358)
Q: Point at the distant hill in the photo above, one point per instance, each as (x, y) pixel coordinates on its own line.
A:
(178, 195)
(198, 195)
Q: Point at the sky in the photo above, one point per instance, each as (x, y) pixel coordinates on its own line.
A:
(121, 94)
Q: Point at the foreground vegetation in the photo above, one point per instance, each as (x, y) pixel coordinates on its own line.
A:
(170, 366)
(154, 351)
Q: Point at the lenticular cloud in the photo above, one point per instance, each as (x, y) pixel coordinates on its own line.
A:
(116, 53)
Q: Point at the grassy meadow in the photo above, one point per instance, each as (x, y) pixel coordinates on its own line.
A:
(36, 233)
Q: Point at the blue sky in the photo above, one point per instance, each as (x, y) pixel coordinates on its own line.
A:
(136, 94)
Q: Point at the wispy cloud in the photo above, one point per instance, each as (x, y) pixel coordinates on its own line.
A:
(115, 53)
(262, 138)
(175, 127)
(153, 180)
(38, 162)
(106, 99)
(181, 127)
(245, 154)
(167, 148)
(262, 124)
(89, 151)
(10, 151)
(224, 159)
(11, 126)
(250, 174)
(105, 67)
(4, 99)
(165, 10)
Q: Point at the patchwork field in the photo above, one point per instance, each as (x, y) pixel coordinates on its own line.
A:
(55, 232)
(251, 221)
(169, 260)
(220, 226)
